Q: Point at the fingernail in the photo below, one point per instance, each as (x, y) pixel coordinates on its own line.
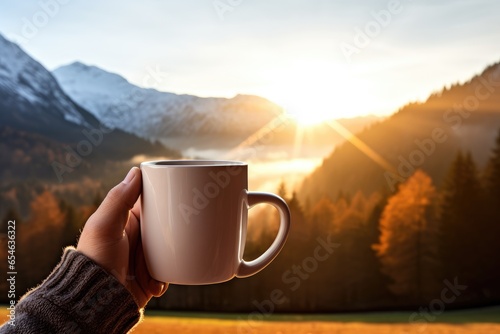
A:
(130, 176)
(156, 287)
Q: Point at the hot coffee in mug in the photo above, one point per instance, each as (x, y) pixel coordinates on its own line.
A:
(194, 221)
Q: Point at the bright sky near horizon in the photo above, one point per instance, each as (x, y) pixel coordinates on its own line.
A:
(341, 58)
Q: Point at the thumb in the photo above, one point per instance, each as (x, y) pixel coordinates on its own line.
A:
(110, 218)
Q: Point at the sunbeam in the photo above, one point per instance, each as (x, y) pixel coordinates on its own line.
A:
(360, 145)
(248, 148)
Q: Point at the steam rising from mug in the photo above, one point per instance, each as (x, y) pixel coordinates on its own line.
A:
(194, 221)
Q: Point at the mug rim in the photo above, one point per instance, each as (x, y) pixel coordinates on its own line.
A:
(193, 163)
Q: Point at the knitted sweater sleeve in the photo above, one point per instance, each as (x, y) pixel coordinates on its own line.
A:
(77, 297)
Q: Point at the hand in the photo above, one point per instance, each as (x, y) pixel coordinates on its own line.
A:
(112, 238)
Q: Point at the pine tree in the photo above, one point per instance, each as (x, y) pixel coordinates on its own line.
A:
(71, 229)
(282, 191)
(39, 239)
(406, 248)
(491, 230)
(322, 216)
(377, 284)
(461, 222)
(493, 176)
(357, 266)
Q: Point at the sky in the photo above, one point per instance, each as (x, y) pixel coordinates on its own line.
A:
(338, 58)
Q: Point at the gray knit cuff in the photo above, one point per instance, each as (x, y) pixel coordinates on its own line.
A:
(81, 297)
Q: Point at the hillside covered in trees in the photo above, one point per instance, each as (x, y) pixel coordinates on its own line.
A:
(420, 135)
(351, 252)
(389, 232)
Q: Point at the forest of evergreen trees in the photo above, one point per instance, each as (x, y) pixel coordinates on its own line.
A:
(352, 252)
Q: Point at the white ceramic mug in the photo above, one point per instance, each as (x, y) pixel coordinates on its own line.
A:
(194, 221)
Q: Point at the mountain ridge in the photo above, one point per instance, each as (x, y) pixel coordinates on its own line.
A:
(468, 115)
(33, 106)
(115, 102)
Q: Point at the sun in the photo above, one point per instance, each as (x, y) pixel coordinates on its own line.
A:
(313, 93)
(308, 111)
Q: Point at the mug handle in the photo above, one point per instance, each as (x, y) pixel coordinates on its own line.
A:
(252, 267)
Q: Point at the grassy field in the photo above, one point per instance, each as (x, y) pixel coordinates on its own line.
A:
(485, 320)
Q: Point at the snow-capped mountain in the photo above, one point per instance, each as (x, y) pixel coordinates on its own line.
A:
(25, 82)
(34, 109)
(152, 114)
